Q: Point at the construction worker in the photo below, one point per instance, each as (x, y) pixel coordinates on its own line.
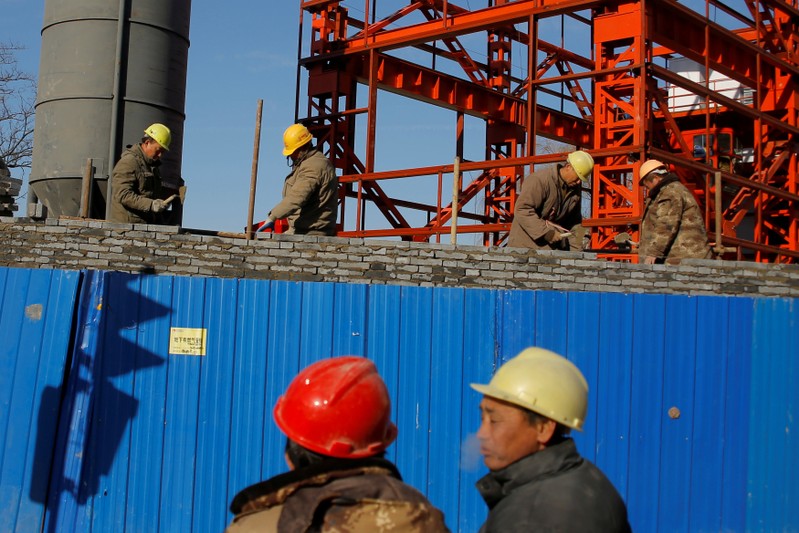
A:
(336, 416)
(547, 212)
(537, 480)
(310, 192)
(673, 227)
(136, 180)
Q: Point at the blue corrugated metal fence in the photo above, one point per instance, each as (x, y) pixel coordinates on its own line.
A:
(691, 412)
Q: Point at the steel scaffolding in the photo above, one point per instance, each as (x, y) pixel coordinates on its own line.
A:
(728, 127)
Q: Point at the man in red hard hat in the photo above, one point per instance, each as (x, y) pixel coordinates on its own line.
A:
(336, 417)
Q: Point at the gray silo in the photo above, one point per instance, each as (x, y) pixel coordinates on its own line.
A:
(108, 69)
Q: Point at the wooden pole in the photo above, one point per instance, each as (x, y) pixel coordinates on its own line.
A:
(86, 189)
(719, 246)
(456, 189)
(254, 174)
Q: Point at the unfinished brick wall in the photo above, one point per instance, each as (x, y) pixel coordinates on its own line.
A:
(78, 244)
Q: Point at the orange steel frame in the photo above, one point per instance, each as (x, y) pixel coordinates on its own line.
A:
(613, 104)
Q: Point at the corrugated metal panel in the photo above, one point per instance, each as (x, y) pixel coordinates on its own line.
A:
(169, 439)
(414, 378)
(774, 453)
(36, 312)
(649, 346)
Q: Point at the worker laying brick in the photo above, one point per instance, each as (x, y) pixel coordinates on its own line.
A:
(547, 211)
(310, 191)
(672, 228)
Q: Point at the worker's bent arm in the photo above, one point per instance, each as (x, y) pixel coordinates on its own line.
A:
(528, 205)
(304, 186)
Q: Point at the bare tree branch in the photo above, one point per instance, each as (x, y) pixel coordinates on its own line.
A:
(17, 99)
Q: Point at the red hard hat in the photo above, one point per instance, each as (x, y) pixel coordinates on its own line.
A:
(338, 407)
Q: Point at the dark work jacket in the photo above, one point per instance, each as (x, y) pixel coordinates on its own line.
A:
(353, 496)
(552, 490)
(136, 182)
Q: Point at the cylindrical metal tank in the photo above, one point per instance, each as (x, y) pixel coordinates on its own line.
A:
(109, 68)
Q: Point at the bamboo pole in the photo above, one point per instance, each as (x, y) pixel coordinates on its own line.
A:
(456, 189)
(86, 189)
(254, 174)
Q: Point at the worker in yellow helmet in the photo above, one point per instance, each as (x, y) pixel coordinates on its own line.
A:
(547, 212)
(537, 480)
(673, 226)
(310, 191)
(136, 180)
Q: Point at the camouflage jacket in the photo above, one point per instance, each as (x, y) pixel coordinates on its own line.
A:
(136, 182)
(672, 227)
(310, 196)
(352, 496)
(545, 197)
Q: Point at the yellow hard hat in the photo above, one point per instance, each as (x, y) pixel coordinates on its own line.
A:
(294, 137)
(582, 163)
(648, 166)
(543, 382)
(160, 134)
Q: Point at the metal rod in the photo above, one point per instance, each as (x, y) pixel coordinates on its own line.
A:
(254, 174)
(719, 246)
(456, 189)
(86, 189)
(299, 68)
(116, 103)
(372, 113)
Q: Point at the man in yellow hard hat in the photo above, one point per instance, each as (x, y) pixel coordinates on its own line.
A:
(136, 180)
(537, 480)
(310, 191)
(547, 212)
(673, 227)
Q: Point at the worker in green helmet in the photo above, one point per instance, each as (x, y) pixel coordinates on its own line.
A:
(136, 179)
(547, 212)
(537, 480)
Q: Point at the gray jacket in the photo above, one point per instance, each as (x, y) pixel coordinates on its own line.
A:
(552, 490)
(310, 196)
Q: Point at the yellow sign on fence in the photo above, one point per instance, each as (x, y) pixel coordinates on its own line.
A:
(187, 341)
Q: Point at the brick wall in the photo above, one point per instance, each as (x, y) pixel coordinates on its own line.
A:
(79, 244)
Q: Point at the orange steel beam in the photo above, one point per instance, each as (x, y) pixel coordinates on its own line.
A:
(468, 22)
(434, 87)
(627, 120)
(701, 90)
(726, 52)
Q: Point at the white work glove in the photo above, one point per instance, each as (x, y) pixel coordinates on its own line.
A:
(158, 206)
(556, 233)
(268, 224)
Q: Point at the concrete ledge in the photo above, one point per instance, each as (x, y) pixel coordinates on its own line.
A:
(76, 244)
